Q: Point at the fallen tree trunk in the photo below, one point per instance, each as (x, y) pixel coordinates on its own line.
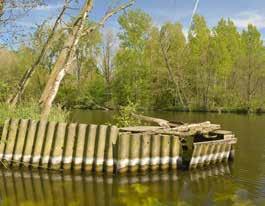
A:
(161, 122)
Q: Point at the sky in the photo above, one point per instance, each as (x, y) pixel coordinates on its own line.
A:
(242, 12)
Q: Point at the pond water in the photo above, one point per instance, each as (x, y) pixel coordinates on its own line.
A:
(241, 182)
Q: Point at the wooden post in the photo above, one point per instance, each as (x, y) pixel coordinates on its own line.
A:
(113, 133)
(11, 140)
(58, 147)
(155, 152)
(69, 146)
(4, 137)
(80, 146)
(134, 152)
(22, 132)
(174, 152)
(145, 152)
(90, 148)
(29, 141)
(123, 153)
(47, 147)
(100, 148)
(38, 143)
(165, 152)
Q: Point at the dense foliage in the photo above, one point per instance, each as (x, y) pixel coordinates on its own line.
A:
(215, 69)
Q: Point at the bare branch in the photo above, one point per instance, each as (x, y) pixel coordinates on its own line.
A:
(109, 14)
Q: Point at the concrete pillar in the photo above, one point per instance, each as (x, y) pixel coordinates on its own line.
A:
(29, 141)
(100, 148)
(134, 152)
(90, 147)
(38, 144)
(111, 141)
(4, 138)
(79, 147)
(155, 152)
(145, 152)
(69, 146)
(11, 140)
(47, 149)
(57, 150)
(123, 153)
(22, 132)
(165, 152)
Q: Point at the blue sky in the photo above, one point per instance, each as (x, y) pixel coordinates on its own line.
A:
(241, 11)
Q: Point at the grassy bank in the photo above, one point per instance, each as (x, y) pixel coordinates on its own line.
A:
(30, 111)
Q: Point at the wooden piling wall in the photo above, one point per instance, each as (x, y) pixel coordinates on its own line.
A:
(101, 148)
(52, 145)
(211, 152)
(142, 152)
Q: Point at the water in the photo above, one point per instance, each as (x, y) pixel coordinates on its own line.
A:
(240, 183)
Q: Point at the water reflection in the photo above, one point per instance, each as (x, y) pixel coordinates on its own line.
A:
(36, 188)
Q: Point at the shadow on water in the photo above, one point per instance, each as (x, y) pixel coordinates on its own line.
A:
(39, 188)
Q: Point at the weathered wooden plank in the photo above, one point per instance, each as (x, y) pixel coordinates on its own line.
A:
(80, 146)
(90, 148)
(69, 146)
(3, 139)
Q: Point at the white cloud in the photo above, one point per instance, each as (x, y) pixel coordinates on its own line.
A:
(250, 17)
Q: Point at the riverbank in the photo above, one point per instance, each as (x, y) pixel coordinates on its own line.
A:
(30, 111)
(177, 109)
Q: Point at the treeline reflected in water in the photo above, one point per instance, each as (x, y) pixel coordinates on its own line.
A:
(41, 188)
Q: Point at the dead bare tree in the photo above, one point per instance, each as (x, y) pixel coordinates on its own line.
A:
(68, 53)
(14, 98)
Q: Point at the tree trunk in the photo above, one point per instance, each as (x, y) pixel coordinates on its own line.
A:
(14, 98)
(68, 54)
(64, 61)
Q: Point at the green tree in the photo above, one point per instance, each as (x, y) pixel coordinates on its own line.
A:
(200, 71)
(226, 51)
(131, 80)
(252, 68)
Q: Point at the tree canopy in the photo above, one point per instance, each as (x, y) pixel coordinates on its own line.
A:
(219, 68)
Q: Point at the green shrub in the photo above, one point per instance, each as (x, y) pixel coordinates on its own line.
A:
(125, 116)
(30, 111)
